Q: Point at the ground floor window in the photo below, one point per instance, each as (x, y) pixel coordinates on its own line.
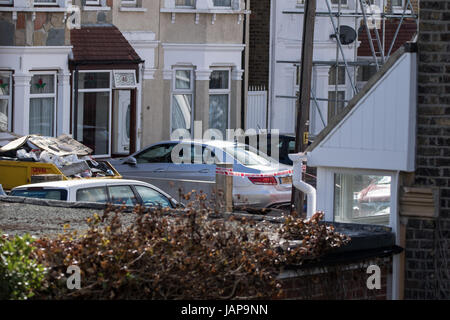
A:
(361, 198)
(182, 100)
(5, 100)
(43, 104)
(219, 100)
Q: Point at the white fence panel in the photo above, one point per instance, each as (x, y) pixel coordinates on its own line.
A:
(256, 108)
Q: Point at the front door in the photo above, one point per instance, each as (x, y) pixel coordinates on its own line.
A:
(123, 122)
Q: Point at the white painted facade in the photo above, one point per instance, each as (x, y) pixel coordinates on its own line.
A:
(24, 62)
(285, 42)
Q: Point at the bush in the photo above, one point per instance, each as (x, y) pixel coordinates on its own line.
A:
(20, 274)
(183, 254)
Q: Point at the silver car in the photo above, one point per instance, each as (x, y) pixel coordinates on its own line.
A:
(258, 180)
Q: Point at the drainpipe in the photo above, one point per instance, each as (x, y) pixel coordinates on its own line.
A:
(309, 190)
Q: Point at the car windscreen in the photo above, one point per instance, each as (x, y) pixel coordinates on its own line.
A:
(40, 193)
(247, 155)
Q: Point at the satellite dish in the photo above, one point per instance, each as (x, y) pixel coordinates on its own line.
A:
(347, 35)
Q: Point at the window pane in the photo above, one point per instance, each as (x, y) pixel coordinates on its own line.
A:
(42, 83)
(92, 195)
(183, 79)
(333, 108)
(152, 198)
(362, 198)
(93, 80)
(366, 72)
(184, 3)
(93, 121)
(122, 195)
(336, 2)
(397, 3)
(4, 114)
(222, 3)
(332, 76)
(41, 194)
(42, 116)
(156, 154)
(219, 80)
(218, 112)
(181, 111)
(5, 84)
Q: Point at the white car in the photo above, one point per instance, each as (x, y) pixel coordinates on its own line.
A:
(114, 191)
(258, 180)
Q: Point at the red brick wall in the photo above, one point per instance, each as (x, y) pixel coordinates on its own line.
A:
(337, 283)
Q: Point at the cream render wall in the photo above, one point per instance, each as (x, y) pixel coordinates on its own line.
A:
(196, 28)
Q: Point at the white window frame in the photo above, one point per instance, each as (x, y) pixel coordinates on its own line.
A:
(110, 106)
(401, 6)
(330, 196)
(184, 6)
(343, 5)
(37, 2)
(341, 87)
(92, 2)
(176, 91)
(129, 3)
(53, 95)
(223, 7)
(223, 92)
(8, 97)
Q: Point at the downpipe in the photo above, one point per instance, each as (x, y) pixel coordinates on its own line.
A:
(309, 190)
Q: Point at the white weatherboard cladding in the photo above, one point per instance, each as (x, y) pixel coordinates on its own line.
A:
(203, 56)
(379, 132)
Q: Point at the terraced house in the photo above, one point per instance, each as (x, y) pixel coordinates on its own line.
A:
(118, 75)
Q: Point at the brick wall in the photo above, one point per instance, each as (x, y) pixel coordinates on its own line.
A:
(259, 43)
(347, 282)
(427, 240)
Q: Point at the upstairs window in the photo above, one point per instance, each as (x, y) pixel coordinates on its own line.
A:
(185, 3)
(45, 2)
(222, 3)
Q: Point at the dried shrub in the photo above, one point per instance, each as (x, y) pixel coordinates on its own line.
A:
(186, 253)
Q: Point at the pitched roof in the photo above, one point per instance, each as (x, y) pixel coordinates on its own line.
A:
(406, 33)
(101, 44)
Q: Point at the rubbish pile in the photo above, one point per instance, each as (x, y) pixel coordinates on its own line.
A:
(71, 157)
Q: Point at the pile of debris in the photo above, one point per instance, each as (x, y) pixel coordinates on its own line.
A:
(71, 157)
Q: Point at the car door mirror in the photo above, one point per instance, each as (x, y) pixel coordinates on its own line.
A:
(130, 161)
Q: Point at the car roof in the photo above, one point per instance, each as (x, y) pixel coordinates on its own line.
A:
(80, 182)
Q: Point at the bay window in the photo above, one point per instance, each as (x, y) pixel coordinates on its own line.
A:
(219, 99)
(43, 104)
(362, 198)
(5, 101)
(182, 100)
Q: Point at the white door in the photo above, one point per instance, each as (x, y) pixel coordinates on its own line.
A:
(122, 121)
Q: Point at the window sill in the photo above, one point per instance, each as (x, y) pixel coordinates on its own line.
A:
(96, 8)
(132, 9)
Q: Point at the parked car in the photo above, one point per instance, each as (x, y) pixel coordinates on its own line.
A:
(286, 145)
(116, 191)
(258, 180)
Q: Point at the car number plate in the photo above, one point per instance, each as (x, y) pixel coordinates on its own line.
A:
(286, 180)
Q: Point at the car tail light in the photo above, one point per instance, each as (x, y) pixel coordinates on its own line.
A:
(263, 180)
